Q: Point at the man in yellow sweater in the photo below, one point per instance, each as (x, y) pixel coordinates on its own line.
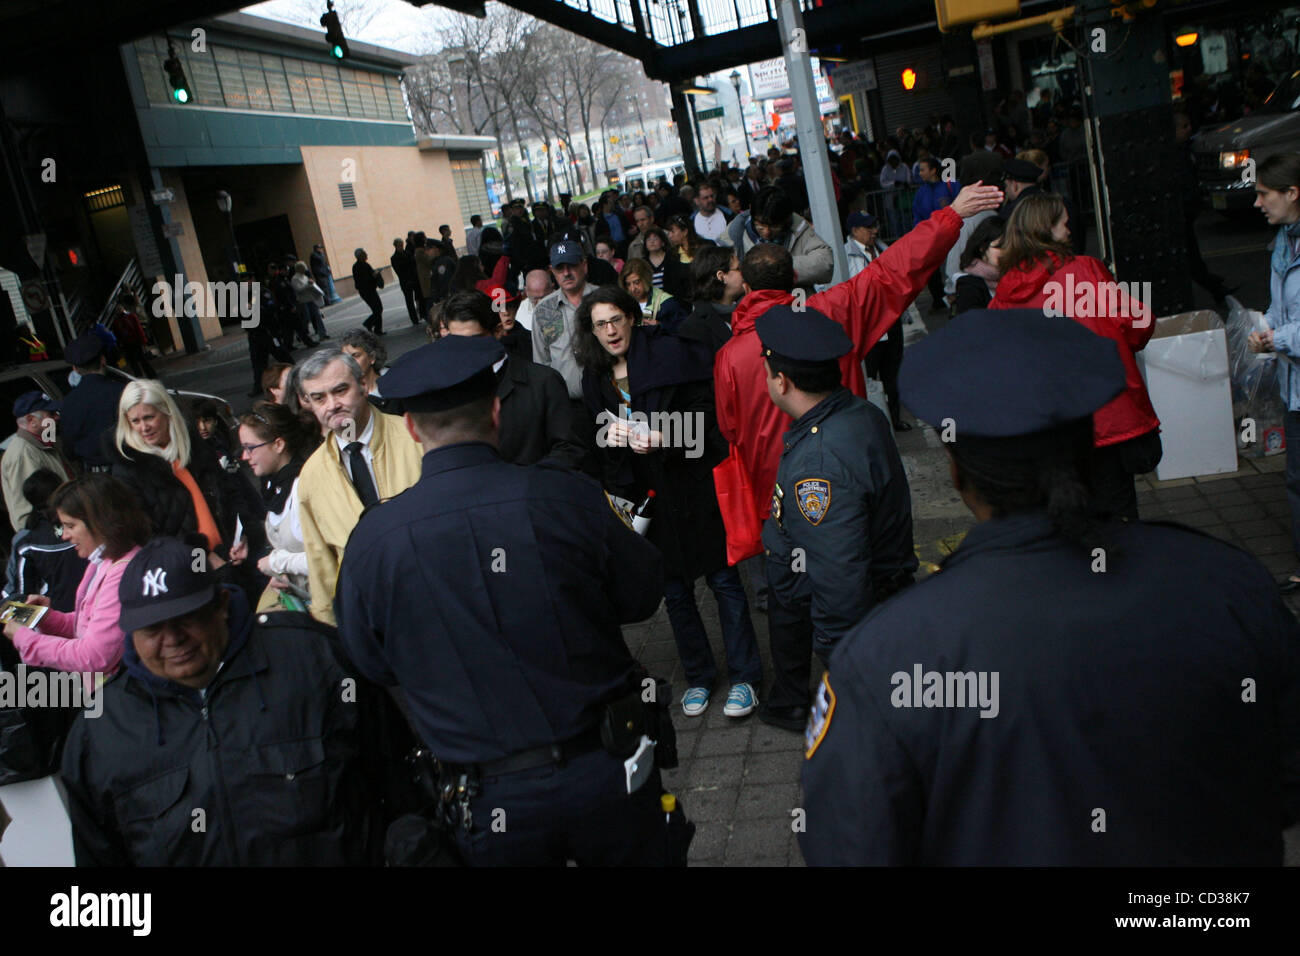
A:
(368, 457)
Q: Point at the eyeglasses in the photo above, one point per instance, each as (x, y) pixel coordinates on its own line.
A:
(252, 448)
(601, 324)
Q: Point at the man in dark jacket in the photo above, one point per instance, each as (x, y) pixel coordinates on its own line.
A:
(536, 417)
(229, 740)
(1048, 700)
(403, 263)
(90, 409)
(368, 282)
(323, 274)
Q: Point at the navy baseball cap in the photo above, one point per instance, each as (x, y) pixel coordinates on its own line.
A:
(84, 349)
(804, 336)
(453, 371)
(160, 583)
(565, 252)
(1008, 374)
(34, 401)
(861, 219)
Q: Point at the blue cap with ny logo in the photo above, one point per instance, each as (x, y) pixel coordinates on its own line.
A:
(162, 582)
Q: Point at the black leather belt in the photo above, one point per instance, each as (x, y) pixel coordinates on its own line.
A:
(535, 757)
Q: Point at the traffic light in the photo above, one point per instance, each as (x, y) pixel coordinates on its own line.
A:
(338, 43)
(951, 13)
(176, 76)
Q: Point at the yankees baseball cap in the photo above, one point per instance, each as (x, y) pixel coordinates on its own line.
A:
(160, 583)
(567, 252)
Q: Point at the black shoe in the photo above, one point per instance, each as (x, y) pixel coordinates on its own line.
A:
(326, 336)
(902, 426)
(1289, 586)
(787, 718)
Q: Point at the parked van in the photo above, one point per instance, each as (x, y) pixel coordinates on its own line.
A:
(1223, 152)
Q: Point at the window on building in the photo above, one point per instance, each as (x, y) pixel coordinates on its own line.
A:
(244, 79)
(471, 192)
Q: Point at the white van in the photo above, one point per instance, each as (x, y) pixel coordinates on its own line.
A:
(646, 175)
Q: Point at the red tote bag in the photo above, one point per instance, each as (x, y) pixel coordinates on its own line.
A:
(736, 502)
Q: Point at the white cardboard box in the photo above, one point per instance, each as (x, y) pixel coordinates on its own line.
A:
(1186, 370)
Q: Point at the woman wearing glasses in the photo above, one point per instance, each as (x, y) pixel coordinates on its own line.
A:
(275, 443)
(669, 443)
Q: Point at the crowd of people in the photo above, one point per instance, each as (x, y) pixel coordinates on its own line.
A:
(439, 523)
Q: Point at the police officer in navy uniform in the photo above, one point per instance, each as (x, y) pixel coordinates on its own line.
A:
(493, 593)
(839, 537)
(1062, 692)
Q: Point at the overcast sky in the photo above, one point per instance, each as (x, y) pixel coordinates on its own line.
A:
(398, 24)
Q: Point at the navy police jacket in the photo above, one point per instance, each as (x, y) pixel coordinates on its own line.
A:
(1037, 704)
(840, 530)
(493, 594)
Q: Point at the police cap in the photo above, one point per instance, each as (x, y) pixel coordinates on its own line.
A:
(84, 350)
(1009, 374)
(448, 373)
(802, 336)
(1022, 171)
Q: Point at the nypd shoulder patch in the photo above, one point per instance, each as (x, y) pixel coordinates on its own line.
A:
(813, 496)
(622, 515)
(819, 721)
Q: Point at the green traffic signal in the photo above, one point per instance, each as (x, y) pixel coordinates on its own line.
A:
(176, 77)
(337, 51)
(181, 95)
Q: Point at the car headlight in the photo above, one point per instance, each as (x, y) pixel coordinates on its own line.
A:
(1233, 158)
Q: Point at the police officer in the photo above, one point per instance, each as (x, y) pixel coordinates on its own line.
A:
(493, 594)
(839, 537)
(1062, 692)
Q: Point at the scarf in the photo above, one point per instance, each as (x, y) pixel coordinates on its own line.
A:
(276, 488)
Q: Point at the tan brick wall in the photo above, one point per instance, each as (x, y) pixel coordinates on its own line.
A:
(397, 188)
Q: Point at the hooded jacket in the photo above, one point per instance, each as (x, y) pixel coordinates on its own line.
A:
(1129, 414)
(813, 260)
(289, 764)
(867, 305)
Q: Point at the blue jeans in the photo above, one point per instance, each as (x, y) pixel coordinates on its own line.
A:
(1291, 427)
(743, 662)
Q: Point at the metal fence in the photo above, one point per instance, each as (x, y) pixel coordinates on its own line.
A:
(893, 207)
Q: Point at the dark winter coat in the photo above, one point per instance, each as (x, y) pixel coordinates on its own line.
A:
(668, 374)
(90, 410)
(286, 774)
(167, 502)
(709, 322)
(536, 416)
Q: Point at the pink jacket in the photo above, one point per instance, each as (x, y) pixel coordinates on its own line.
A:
(87, 639)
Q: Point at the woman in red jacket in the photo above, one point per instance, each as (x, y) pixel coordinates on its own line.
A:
(1040, 271)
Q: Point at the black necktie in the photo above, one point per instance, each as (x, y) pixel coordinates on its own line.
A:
(361, 479)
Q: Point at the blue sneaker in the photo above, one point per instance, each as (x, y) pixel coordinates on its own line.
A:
(695, 701)
(741, 701)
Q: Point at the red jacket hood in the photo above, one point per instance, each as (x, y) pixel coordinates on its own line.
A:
(755, 304)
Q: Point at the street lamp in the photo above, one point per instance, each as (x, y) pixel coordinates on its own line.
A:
(744, 127)
(226, 204)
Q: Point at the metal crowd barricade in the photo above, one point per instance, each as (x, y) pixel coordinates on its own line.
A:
(892, 208)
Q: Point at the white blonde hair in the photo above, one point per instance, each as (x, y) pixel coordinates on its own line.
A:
(147, 391)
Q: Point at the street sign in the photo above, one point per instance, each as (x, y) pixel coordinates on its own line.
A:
(34, 296)
(716, 113)
(161, 196)
(36, 248)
